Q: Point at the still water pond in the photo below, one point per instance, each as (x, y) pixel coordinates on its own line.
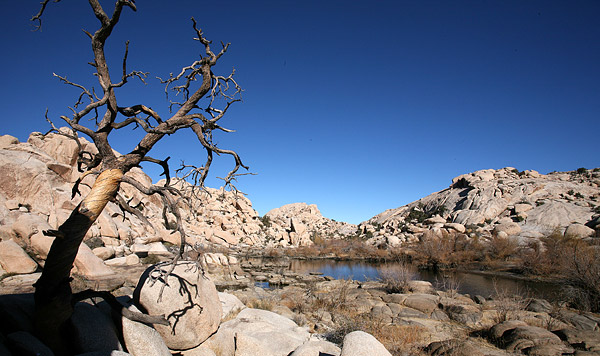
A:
(468, 282)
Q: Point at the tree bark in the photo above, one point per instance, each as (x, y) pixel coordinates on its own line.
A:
(53, 291)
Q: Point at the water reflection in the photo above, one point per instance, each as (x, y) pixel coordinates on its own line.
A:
(469, 283)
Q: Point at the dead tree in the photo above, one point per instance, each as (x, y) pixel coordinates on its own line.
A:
(53, 295)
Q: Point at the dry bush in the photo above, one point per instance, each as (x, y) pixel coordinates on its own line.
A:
(396, 277)
(398, 339)
(231, 315)
(295, 299)
(448, 250)
(401, 339)
(273, 252)
(507, 305)
(580, 264)
(348, 248)
(534, 260)
(502, 248)
(449, 284)
(334, 300)
(573, 260)
(313, 298)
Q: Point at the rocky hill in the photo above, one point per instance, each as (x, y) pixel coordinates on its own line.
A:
(36, 178)
(305, 223)
(503, 202)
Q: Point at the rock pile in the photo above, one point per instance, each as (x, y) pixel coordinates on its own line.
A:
(422, 320)
(200, 322)
(36, 180)
(299, 224)
(503, 202)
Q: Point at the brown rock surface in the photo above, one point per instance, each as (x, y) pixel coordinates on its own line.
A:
(14, 260)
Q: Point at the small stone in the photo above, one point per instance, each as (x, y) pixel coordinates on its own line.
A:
(359, 343)
(578, 231)
(14, 260)
(12, 204)
(104, 252)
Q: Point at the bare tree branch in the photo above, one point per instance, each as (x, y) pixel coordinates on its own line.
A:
(165, 166)
(38, 17)
(136, 73)
(192, 84)
(120, 308)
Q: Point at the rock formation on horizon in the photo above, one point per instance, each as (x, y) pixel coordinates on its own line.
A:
(36, 179)
(300, 224)
(503, 202)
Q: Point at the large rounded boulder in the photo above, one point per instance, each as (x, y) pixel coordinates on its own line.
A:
(189, 301)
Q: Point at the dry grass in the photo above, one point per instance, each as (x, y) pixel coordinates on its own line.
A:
(231, 315)
(397, 339)
(260, 303)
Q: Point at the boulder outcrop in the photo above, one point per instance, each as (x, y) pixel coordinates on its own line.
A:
(502, 203)
(188, 299)
(300, 224)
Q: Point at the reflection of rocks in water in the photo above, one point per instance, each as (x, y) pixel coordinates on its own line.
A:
(275, 273)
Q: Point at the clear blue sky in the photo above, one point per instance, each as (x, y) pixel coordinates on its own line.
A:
(354, 106)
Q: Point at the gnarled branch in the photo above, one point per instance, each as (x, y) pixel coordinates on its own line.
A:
(120, 308)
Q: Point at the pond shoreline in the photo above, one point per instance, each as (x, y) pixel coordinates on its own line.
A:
(474, 268)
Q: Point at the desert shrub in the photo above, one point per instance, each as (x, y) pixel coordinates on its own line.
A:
(448, 250)
(582, 170)
(580, 265)
(506, 305)
(231, 315)
(296, 300)
(448, 283)
(533, 259)
(502, 248)
(94, 242)
(396, 278)
(575, 261)
(317, 239)
(418, 215)
(332, 301)
(150, 260)
(273, 252)
(266, 221)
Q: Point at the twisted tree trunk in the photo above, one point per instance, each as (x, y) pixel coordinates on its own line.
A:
(53, 291)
